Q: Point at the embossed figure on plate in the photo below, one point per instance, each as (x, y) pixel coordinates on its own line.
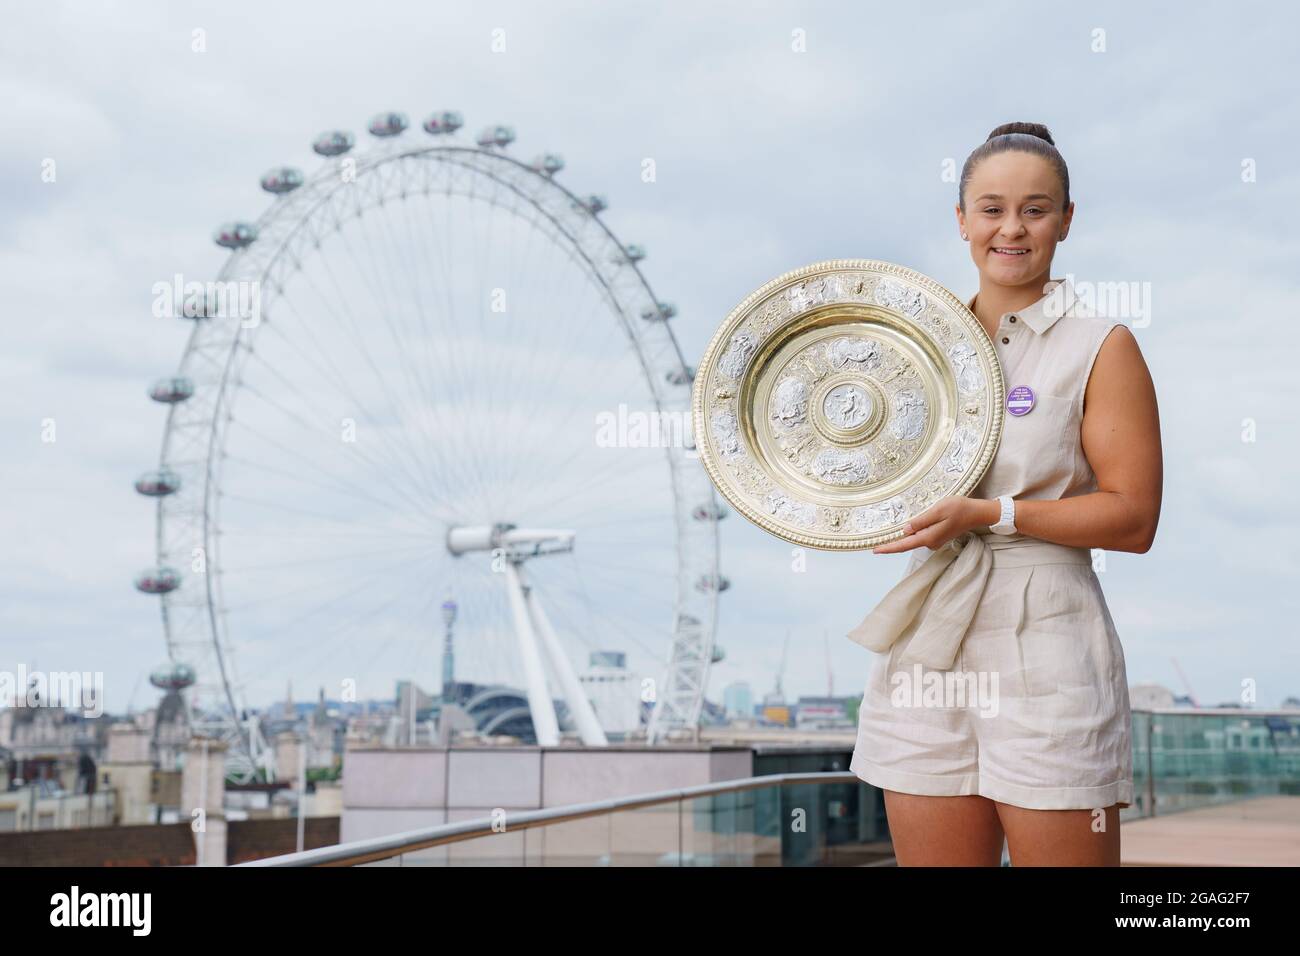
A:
(733, 363)
(910, 411)
(964, 359)
(863, 353)
(791, 403)
(839, 466)
(847, 406)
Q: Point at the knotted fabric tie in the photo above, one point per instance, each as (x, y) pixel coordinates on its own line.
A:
(952, 579)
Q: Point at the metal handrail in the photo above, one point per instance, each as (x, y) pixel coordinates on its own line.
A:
(382, 848)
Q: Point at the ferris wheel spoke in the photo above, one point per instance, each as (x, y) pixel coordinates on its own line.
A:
(542, 432)
(621, 584)
(473, 453)
(338, 304)
(395, 255)
(591, 483)
(518, 264)
(386, 571)
(583, 430)
(397, 466)
(624, 572)
(410, 550)
(460, 446)
(307, 403)
(301, 533)
(290, 509)
(606, 585)
(279, 447)
(477, 355)
(319, 640)
(577, 329)
(456, 452)
(569, 623)
(504, 405)
(480, 349)
(343, 486)
(379, 294)
(414, 648)
(483, 400)
(595, 476)
(431, 358)
(403, 255)
(424, 502)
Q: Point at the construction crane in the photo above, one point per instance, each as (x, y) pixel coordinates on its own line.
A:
(1186, 683)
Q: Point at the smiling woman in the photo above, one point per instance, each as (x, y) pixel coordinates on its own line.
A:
(1001, 584)
(1018, 165)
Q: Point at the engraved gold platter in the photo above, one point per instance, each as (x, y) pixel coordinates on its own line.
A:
(843, 398)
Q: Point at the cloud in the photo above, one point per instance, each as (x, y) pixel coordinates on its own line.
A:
(766, 160)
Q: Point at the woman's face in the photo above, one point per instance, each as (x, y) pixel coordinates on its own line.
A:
(1014, 217)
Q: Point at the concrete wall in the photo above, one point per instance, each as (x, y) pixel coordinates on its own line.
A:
(133, 784)
(203, 788)
(388, 791)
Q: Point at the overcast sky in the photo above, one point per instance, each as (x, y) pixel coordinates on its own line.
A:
(767, 158)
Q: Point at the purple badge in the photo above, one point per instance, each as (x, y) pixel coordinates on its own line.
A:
(1020, 400)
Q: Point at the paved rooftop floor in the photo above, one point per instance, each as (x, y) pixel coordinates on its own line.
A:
(1262, 831)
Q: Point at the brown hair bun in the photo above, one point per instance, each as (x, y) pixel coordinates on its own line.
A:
(1029, 129)
(1032, 138)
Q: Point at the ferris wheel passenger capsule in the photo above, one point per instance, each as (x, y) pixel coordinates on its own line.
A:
(447, 121)
(158, 580)
(709, 512)
(712, 582)
(173, 676)
(172, 390)
(548, 164)
(235, 235)
(158, 484)
(496, 136)
(680, 376)
(660, 312)
(283, 179)
(593, 204)
(632, 253)
(334, 143)
(387, 124)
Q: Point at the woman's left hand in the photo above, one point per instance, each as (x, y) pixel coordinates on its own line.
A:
(940, 523)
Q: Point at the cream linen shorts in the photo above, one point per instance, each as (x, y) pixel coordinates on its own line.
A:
(1034, 712)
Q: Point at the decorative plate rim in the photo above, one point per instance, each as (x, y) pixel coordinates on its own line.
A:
(708, 455)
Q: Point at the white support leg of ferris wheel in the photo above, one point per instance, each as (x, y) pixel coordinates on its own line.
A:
(545, 724)
(262, 754)
(593, 735)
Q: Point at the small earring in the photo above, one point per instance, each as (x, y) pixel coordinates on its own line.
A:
(964, 236)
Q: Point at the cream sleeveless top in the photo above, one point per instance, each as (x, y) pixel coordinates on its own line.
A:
(1051, 347)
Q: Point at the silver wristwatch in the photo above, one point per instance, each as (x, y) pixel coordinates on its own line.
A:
(1007, 520)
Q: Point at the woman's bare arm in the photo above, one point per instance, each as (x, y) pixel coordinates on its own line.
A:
(1121, 439)
(1120, 434)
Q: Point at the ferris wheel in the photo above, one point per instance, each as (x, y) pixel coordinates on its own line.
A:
(391, 403)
